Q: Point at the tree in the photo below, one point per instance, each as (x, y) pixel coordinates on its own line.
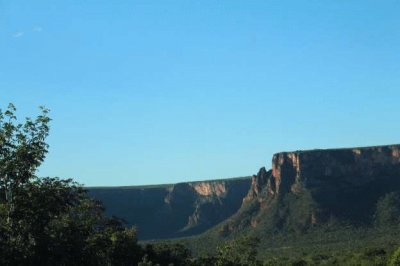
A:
(167, 254)
(395, 259)
(241, 252)
(387, 212)
(22, 150)
(51, 221)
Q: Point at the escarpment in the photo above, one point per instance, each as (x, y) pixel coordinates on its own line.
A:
(339, 168)
(174, 210)
(357, 166)
(308, 188)
(303, 190)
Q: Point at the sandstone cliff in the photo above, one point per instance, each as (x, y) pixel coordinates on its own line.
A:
(358, 166)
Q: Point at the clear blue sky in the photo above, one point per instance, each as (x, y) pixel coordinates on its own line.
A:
(145, 92)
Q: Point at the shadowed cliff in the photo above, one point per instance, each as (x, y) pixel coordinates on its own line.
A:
(168, 211)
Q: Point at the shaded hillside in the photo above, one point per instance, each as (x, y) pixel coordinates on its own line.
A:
(177, 210)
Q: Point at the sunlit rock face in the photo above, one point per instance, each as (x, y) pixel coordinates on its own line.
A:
(209, 188)
(358, 166)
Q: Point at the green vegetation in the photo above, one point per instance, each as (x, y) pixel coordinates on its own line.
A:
(50, 221)
(241, 251)
(339, 246)
(395, 259)
(388, 210)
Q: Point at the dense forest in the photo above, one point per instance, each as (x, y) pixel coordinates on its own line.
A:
(53, 221)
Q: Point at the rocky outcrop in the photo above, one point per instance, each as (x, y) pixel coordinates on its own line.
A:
(258, 183)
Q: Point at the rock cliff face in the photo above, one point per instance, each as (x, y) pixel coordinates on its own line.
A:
(307, 188)
(258, 183)
(209, 188)
(174, 210)
(358, 166)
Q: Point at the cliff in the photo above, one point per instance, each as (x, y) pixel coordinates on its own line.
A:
(303, 190)
(309, 188)
(174, 210)
(358, 166)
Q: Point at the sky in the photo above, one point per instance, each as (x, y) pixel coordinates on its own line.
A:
(149, 92)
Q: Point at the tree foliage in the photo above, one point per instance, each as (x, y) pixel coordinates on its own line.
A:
(50, 221)
(395, 259)
(238, 252)
(388, 210)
